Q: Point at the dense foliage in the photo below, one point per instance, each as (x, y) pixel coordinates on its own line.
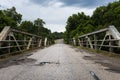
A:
(102, 17)
(11, 17)
(57, 35)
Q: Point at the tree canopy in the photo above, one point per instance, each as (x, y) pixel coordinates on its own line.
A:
(102, 17)
(57, 35)
(10, 17)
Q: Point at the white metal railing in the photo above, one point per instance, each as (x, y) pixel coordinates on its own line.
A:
(12, 40)
(104, 38)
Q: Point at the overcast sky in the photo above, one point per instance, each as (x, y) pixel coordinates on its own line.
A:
(53, 12)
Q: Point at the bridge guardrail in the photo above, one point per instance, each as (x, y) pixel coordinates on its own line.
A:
(12, 40)
(104, 39)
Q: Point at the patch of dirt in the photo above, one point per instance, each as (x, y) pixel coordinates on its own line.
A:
(116, 70)
(72, 47)
(111, 67)
(16, 62)
(77, 50)
(24, 60)
(44, 63)
(112, 64)
(91, 58)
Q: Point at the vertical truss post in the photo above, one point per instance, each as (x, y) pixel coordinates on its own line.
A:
(95, 42)
(29, 43)
(79, 41)
(9, 43)
(86, 41)
(32, 42)
(110, 44)
(74, 42)
(4, 33)
(25, 41)
(89, 41)
(45, 42)
(39, 43)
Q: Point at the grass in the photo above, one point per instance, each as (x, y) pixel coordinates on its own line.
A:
(105, 53)
(7, 55)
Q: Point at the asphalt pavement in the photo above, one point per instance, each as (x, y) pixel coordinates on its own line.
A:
(57, 62)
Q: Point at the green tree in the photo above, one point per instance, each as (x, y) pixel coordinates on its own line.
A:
(39, 24)
(75, 25)
(102, 17)
(5, 20)
(28, 26)
(12, 13)
(57, 35)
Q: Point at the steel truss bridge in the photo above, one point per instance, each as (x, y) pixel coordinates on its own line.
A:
(12, 40)
(108, 38)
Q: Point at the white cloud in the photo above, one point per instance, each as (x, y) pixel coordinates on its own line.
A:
(56, 27)
(54, 15)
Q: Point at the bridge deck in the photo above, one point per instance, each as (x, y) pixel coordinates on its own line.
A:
(57, 62)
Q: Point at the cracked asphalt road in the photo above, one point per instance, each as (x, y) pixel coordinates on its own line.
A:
(57, 62)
